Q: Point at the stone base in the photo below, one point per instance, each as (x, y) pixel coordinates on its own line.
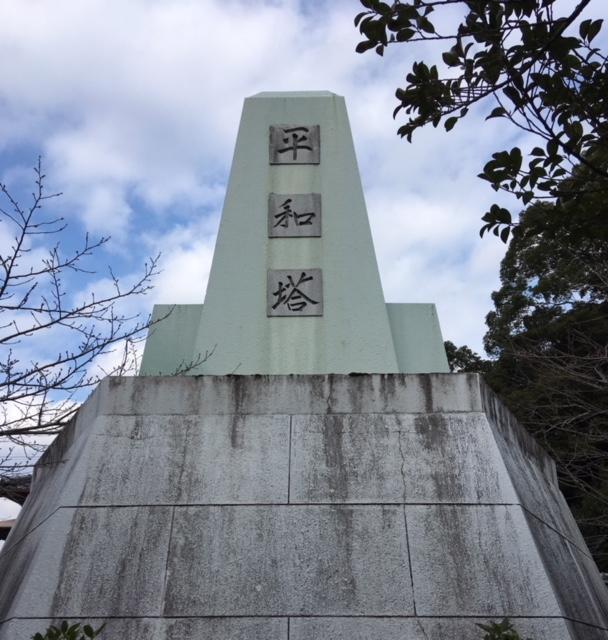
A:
(301, 508)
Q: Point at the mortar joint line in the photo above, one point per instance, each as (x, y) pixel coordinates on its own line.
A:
(166, 577)
(407, 537)
(289, 464)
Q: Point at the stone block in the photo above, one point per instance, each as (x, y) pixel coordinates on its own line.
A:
(288, 560)
(534, 489)
(90, 562)
(579, 631)
(302, 628)
(160, 629)
(578, 585)
(30, 568)
(294, 215)
(225, 629)
(295, 144)
(476, 561)
(294, 292)
(291, 394)
(115, 629)
(418, 628)
(59, 474)
(188, 460)
(397, 458)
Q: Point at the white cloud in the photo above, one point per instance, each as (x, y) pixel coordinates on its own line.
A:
(136, 107)
(185, 269)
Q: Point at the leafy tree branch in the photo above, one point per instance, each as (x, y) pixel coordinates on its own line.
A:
(538, 70)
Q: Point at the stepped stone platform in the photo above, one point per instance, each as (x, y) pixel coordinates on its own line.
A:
(303, 507)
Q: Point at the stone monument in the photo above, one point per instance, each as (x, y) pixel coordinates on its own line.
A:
(294, 286)
(320, 476)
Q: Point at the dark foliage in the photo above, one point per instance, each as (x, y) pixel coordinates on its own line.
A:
(464, 359)
(524, 63)
(548, 335)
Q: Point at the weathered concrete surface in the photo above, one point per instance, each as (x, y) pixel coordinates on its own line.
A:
(294, 394)
(89, 562)
(163, 629)
(282, 560)
(205, 459)
(580, 590)
(476, 560)
(303, 628)
(528, 467)
(352, 458)
(363, 507)
(417, 629)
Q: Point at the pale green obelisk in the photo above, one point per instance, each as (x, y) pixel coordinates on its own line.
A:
(294, 285)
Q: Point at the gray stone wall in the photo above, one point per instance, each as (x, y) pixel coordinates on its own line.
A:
(301, 508)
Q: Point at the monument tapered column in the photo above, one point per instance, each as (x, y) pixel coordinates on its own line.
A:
(294, 286)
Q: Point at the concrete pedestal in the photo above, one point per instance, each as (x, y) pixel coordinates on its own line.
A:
(388, 507)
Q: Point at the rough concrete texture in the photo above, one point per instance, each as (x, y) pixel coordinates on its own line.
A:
(303, 628)
(298, 507)
(323, 560)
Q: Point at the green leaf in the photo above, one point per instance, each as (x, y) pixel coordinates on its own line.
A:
(552, 147)
(583, 29)
(450, 122)
(364, 46)
(403, 35)
(450, 58)
(426, 25)
(515, 158)
(513, 94)
(358, 17)
(406, 11)
(497, 112)
(594, 29)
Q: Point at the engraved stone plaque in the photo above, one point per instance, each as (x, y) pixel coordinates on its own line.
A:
(295, 144)
(294, 292)
(294, 215)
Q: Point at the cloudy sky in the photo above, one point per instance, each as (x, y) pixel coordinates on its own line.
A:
(134, 107)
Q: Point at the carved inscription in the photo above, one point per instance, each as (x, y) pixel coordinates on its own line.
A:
(294, 215)
(295, 144)
(294, 292)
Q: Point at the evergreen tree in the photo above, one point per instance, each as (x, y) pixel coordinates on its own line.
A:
(548, 335)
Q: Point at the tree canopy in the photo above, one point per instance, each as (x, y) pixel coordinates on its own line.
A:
(549, 337)
(524, 62)
(548, 341)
